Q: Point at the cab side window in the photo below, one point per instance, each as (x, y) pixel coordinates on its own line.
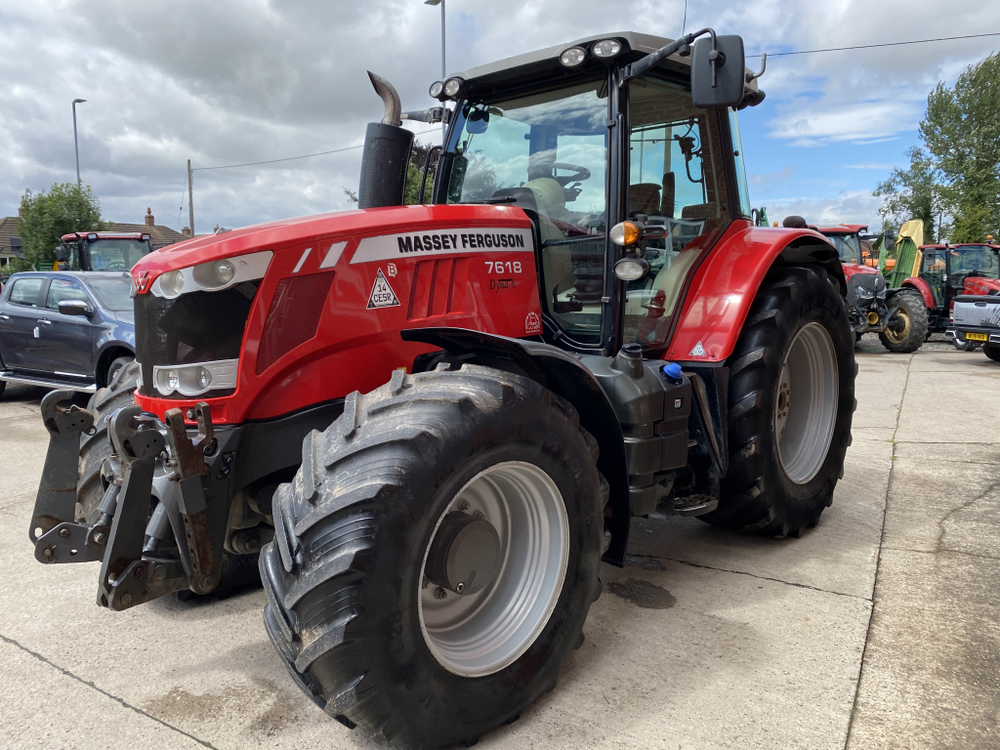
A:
(25, 292)
(64, 290)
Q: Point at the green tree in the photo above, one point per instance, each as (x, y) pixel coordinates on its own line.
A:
(955, 173)
(47, 216)
(415, 174)
(961, 132)
(912, 193)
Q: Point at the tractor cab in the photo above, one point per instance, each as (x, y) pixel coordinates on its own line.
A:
(582, 140)
(101, 251)
(966, 268)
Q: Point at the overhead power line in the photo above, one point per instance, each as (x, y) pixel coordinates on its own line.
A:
(872, 46)
(292, 158)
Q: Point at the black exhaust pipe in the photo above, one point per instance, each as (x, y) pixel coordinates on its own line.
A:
(386, 154)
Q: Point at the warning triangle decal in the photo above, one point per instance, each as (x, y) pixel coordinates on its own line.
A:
(382, 294)
(698, 351)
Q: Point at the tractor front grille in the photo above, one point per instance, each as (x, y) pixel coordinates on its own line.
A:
(194, 327)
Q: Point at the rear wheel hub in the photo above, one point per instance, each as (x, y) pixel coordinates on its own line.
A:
(465, 554)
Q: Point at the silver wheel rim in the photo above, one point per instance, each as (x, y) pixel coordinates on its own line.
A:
(805, 405)
(479, 634)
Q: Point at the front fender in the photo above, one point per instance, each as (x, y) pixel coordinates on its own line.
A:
(924, 288)
(564, 375)
(725, 284)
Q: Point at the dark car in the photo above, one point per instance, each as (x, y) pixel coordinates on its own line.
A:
(65, 329)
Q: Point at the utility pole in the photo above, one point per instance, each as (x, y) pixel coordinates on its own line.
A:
(190, 199)
(76, 143)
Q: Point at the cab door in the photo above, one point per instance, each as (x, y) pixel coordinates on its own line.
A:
(19, 311)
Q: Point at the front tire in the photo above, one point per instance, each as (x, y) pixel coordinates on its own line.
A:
(791, 402)
(357, 608)
(95, 448)
(992, 351)
(913, 315)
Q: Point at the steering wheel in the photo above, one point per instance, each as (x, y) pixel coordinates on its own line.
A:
(579, 173)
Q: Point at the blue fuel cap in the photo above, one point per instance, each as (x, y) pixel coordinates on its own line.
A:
(673, 372)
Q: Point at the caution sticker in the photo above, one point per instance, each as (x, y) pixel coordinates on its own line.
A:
(382, 294)
(698, 351)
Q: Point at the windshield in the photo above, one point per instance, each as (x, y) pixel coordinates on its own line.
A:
(116, 255)
(976, 260)
(114, 293)
(848, 247)
(547, 153)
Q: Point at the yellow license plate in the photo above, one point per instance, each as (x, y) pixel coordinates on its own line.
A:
(976, 337)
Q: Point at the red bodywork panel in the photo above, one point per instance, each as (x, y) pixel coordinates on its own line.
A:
(925, 291)
(460, 279)
(850, 269)
(724, 287)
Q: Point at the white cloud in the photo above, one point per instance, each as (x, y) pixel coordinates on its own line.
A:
(849, 207)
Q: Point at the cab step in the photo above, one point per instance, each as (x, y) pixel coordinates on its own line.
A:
(695, 505)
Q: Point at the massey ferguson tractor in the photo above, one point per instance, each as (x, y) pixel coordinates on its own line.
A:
(898, 315)
(434, 422)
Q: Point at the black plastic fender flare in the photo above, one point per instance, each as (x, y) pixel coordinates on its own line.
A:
(562, 374)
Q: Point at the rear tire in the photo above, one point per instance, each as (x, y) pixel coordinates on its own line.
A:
(913, 313)
(96, 448)
(992, 351)
(791, 402)
(351, 609)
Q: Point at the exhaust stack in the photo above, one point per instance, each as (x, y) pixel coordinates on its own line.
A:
(386, 154)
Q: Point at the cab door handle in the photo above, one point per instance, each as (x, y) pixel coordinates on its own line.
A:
(45, 321)
(4, 317)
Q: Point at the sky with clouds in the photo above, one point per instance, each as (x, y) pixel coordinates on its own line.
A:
(237, 81)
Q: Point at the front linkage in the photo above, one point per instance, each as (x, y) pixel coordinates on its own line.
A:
(123, 532)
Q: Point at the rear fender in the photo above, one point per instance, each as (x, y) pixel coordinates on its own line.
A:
(564, 375)
(725, 284)
(924, 288)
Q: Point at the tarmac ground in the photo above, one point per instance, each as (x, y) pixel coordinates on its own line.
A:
(879, 628)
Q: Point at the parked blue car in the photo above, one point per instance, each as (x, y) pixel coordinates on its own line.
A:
(65, 329)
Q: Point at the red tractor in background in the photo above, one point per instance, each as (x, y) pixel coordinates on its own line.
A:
(898, 316)
(433, 422)
(101, 251)
(947, 271)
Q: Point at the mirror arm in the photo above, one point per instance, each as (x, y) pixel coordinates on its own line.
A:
(636, 69)
(436, 114)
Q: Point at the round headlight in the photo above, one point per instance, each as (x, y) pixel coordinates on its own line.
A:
(172, 283)
(224, 271)
(631, 269)
(573, 56)
(606, 48)
(624, 234)
(204, 378)
(436, 88)
(172, 380)
(453, 86)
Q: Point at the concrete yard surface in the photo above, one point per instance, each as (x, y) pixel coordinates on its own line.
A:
(879, 628)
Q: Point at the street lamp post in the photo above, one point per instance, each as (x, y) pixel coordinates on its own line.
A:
(76, 143)
(444, 64)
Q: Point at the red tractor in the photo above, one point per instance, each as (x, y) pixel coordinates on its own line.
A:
(947, 271)
(434, 422)
(898, 316)
(101, 251)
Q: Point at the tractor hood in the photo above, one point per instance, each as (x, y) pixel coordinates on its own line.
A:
(325, 229)
(852, 269)
(980, 285)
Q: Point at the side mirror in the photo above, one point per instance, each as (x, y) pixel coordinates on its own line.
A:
(61, 255)
(717, 75)
(17, 248)
(75, 307)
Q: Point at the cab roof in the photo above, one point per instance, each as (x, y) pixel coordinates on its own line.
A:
(844, 229)
(74, 236)
(543, 65)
